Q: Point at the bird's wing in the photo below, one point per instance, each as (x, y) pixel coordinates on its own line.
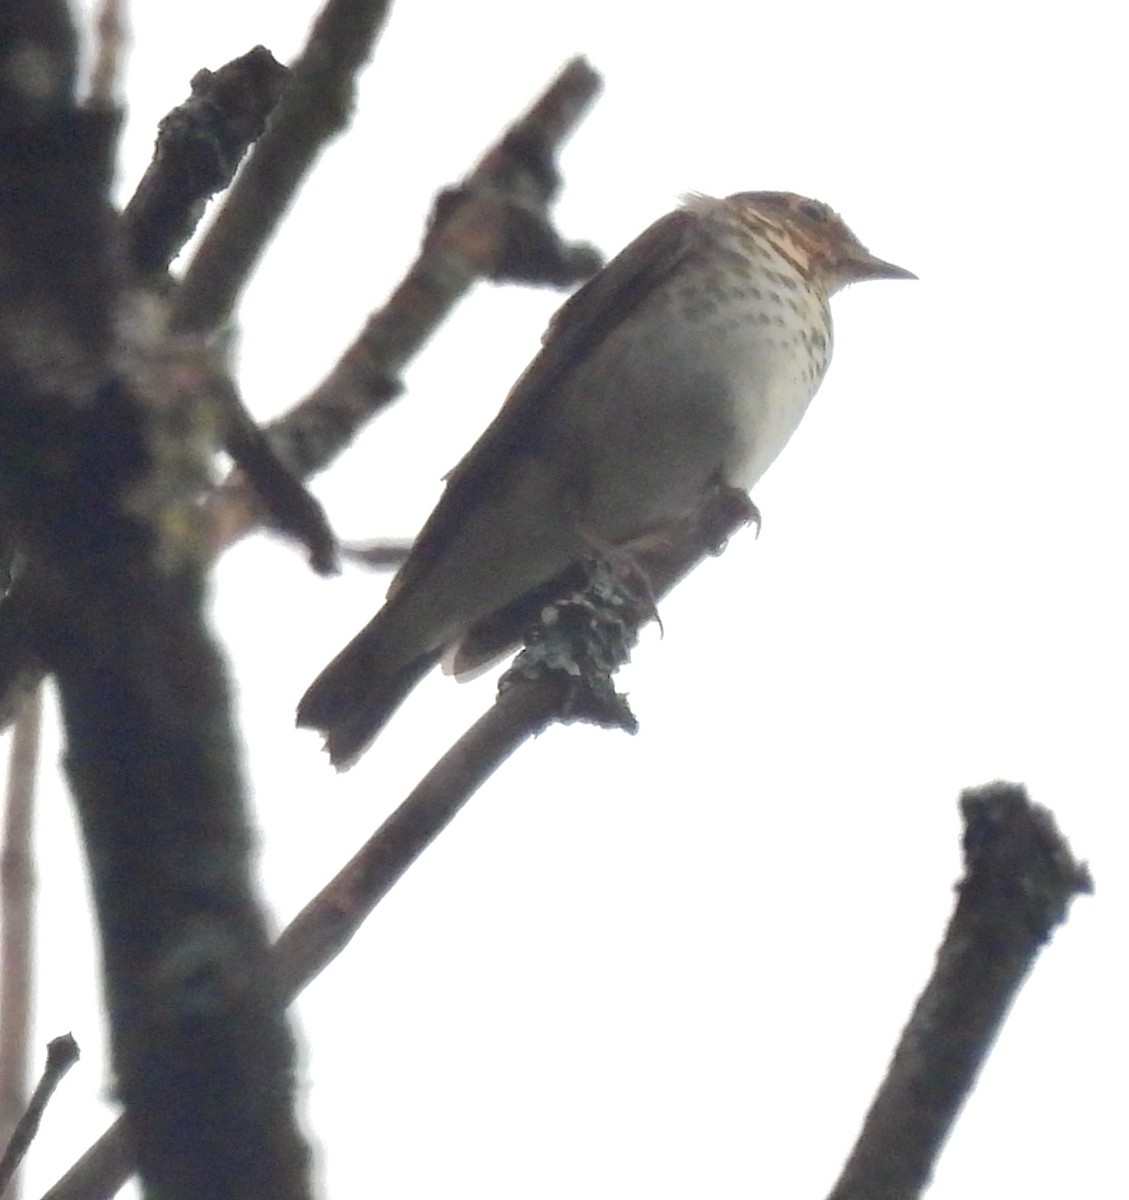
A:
(578, 326)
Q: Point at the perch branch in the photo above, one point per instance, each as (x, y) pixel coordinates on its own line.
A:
(533, 696)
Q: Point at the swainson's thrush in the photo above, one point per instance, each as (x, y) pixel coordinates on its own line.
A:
(686, 363)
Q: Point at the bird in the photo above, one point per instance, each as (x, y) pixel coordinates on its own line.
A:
(685, 364)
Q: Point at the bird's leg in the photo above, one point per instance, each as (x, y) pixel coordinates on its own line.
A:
(621, 566)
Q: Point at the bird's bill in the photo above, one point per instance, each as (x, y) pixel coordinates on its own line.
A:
(877, 268)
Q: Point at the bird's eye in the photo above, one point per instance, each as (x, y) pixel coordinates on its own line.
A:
(814, 211)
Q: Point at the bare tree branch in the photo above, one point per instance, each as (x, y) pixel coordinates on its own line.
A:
(1020, 877)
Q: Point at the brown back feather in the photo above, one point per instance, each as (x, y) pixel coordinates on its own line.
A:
(581, 323)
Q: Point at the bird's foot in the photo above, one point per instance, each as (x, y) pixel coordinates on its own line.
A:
(619, 567)
(725, 507)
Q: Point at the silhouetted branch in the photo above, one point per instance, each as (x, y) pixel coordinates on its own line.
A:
(1020, 877)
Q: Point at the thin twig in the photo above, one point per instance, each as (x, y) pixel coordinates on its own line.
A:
(17, 907)
(1020, 877)
(62, 1054)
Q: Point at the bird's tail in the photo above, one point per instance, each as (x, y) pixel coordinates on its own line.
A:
(354, 696)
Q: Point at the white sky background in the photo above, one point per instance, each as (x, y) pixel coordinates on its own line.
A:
(676, 964)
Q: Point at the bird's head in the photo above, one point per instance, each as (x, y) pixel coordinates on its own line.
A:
(813, 237)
